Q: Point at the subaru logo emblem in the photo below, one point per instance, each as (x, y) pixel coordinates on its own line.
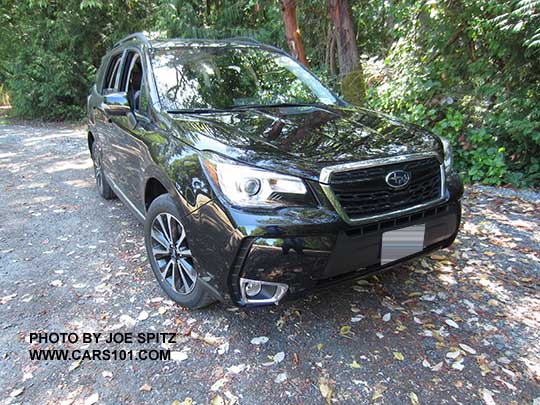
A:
(398, 178)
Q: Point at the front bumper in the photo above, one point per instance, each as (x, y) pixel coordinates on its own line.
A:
(304, 263)
(304, 249)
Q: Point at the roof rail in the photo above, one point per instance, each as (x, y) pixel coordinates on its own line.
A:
(138, 35)
(245, 39)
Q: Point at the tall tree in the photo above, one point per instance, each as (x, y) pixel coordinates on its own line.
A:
(350, 69)
(292, 31)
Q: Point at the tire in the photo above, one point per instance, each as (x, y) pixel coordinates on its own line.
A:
(103, 187)
(170, 256)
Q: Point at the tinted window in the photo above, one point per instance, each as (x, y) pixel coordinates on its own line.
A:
(132, 80)
(109, 84)
(225, 76)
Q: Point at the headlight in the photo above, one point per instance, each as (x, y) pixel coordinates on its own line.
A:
(248, 186)
(448, 160)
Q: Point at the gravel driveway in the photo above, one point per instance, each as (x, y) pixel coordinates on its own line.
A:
(459, 326)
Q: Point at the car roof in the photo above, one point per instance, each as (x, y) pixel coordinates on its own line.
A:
(141, 39)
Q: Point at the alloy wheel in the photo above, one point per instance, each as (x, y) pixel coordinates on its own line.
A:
(98, 171)
(172, 254)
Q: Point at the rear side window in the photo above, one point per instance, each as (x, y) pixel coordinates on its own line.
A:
(109, 83)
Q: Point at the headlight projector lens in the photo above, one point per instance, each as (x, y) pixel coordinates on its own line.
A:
(252, 186)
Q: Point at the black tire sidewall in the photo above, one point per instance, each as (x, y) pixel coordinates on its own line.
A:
(198, 297)
(105, 190)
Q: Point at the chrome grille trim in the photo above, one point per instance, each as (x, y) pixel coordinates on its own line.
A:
(326, 173)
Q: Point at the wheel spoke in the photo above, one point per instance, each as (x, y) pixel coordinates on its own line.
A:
(172, 254)
(158, 237)
(188, 269)
(164, 229)
(184, 281)
(175, 276)
(170, 226)
(184, 252)
(160, 252)
(181, 238)
(165, 271)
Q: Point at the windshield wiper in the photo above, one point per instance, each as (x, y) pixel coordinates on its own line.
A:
(199, 111)
(277, 105)
(242, 107)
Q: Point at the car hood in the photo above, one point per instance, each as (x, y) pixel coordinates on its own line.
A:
(302, 140)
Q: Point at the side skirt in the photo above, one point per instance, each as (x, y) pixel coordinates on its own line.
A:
(140, 215)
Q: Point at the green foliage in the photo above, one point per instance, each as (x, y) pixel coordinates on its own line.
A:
(466, 69)
(51, 50)
(454, 70)
(4, 95)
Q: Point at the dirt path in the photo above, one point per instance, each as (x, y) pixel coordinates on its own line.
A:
(461, 326)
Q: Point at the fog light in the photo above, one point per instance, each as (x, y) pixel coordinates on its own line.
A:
(258, 292)
(253, 288)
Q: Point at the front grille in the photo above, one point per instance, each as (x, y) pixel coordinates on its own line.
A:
(364, 192)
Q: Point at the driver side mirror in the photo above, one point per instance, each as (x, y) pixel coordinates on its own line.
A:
(116, 104)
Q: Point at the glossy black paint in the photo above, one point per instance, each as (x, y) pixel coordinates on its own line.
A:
(302, 246)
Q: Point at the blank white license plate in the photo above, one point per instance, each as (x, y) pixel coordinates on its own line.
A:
(402, 242)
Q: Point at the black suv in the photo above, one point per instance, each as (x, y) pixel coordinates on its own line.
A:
(253, 180)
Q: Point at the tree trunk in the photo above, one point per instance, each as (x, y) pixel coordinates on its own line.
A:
(341, 16)
(353, 86)
(292, 31)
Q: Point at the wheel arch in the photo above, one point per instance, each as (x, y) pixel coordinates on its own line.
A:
(153, 189)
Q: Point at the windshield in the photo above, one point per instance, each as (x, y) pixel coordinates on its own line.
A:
(225, 77)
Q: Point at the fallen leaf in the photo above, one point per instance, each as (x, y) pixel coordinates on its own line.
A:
(74, 365)
(281, 377)
(278, 357)
(378, 391)
(219, 384)
(259, 340)
(128, 321)
(468, 349)
(7, 298)
(145, 387)
(326, 391)
(212, 340)
(387, 317)
(187, 401)
(345, 330)
(236, 369)
(92, 399)
(414, 398)
(217, 400)
(57, 283)
(399, 356)
(223, 348)
(178, 356)
(451, 323)
(357, 318)
(296, 359)
(354, 364)
(16, 392)
(487, 396)
(162, 310)
(458, 365)
(453, 355)
(143, 316)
